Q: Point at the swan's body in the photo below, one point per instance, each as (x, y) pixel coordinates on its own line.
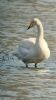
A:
(34, 50)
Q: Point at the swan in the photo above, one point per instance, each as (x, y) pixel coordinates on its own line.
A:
(33, 50)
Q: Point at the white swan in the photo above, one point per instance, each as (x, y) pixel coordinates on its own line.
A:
(33, 50)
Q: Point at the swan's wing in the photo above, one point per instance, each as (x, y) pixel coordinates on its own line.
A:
(25, 47)
(27, 43)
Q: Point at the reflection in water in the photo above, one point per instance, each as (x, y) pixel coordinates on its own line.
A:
(16, 81)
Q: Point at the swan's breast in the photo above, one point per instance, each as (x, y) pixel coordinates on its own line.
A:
(45, 52)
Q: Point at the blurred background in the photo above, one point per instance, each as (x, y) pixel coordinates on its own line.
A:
(16, 81)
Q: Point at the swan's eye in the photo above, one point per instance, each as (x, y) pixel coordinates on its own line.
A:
(32, 24)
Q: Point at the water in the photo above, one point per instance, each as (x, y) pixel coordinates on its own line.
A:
(16, 81)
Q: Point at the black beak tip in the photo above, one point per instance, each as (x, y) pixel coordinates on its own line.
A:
(28, 28)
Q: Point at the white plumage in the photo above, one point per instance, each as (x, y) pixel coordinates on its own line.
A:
(33, 50)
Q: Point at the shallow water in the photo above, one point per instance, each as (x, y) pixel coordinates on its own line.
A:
(16, 81)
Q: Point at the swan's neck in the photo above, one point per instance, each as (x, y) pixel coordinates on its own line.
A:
(40, 31)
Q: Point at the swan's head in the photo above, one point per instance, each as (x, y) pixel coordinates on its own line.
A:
(34, 22)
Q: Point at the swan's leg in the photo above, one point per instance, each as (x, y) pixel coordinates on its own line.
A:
(35, 65)
(26, 65)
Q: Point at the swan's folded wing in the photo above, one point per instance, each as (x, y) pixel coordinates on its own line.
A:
(25, 47)
(28, 43)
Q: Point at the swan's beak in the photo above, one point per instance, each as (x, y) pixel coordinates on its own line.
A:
(28, 27)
